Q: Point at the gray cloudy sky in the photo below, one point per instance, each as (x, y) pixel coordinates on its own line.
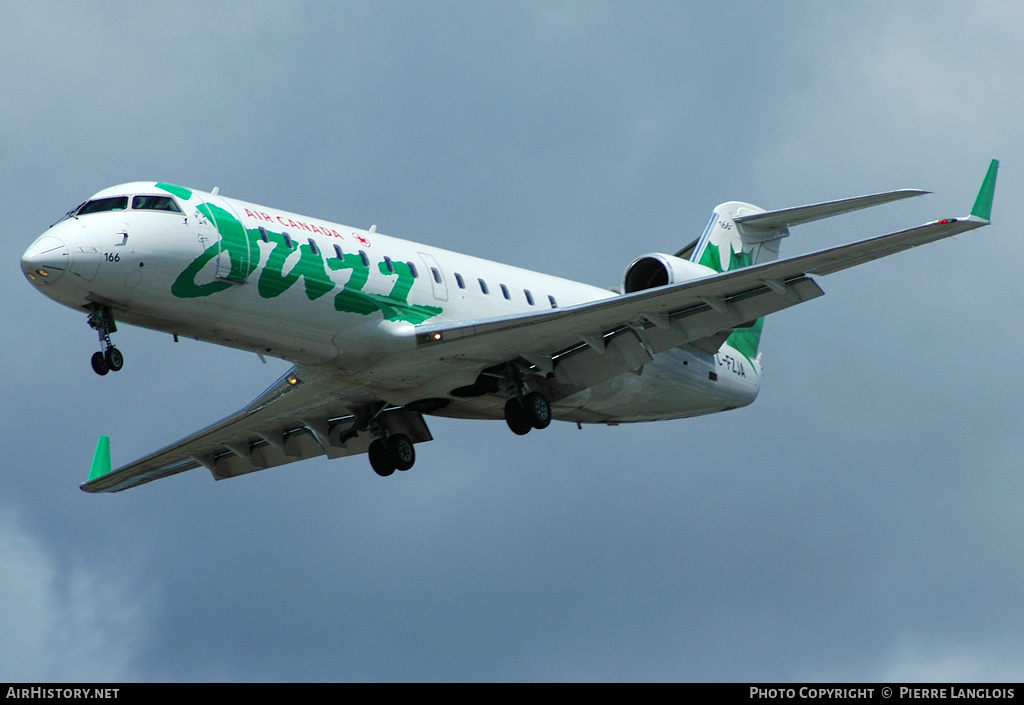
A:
(861, 521)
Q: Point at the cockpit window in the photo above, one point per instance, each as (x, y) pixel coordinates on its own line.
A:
(155, 203)
(70, 214)
(116, 203)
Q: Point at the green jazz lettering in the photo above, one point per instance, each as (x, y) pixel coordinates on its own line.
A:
(395, 306)
(243, 247)
(274, 282)
(351, 299)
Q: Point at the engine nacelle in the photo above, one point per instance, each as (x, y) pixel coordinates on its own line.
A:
(657, 269)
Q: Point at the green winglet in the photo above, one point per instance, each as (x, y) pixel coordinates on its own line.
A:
(101, 461)
(983, 204)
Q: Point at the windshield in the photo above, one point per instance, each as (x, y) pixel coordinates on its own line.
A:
(120, 203)
(155, 203)
(115, 203)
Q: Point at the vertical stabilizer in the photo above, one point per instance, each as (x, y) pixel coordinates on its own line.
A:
(727, 245)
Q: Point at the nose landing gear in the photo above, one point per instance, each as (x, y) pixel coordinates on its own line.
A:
(109, 358)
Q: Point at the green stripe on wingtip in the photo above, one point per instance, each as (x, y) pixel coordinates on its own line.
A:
(101, 461)
(983, 204)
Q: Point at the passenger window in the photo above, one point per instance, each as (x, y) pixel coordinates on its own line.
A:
(389, 264)
(412, 270)
(338, 252)
(117, 203)
(554, 304)
(504, 292)
(529, 296)
(437, 274)
(155, 203)
(366, 260)
(263, 234)
(288, 241)
(483, 286)
(312, 246)
(459, 281)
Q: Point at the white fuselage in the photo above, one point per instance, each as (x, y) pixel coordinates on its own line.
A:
(341, 300)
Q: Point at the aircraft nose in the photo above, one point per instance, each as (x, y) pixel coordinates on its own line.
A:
(46, 260)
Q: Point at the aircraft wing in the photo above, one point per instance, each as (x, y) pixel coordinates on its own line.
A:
(656, 319)
(300, 416)
(578, 346)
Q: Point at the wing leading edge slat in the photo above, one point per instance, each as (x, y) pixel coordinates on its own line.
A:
(546, 333)
(295, 419)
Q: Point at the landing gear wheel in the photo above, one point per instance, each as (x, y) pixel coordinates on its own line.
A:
(537, 410)
(380, 459)
(114, 359)
(402, 453)
(110, 359)
(516, 418)
(99, 364)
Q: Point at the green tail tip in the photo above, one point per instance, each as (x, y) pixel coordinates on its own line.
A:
(983, 204)
(101, 461)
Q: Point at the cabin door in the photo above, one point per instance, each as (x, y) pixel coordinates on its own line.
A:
(235, 248)
(437, 281)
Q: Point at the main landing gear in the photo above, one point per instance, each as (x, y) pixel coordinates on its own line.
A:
(393, 452)
(390, 450)
(524, 410)
(526, 413)
(109, 358)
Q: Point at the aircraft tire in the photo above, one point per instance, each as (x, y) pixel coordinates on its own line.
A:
(114, 359)
(380, 459)
(402, 452)
(516, 418)
(537, 409)
(99, 364)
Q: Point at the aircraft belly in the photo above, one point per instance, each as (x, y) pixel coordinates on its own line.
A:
(677, 383)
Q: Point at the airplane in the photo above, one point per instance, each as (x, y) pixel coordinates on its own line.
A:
(383, 332)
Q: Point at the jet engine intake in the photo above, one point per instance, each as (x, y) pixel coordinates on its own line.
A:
(657, 269)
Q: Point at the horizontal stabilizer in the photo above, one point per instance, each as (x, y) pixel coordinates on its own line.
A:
(776, 220)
